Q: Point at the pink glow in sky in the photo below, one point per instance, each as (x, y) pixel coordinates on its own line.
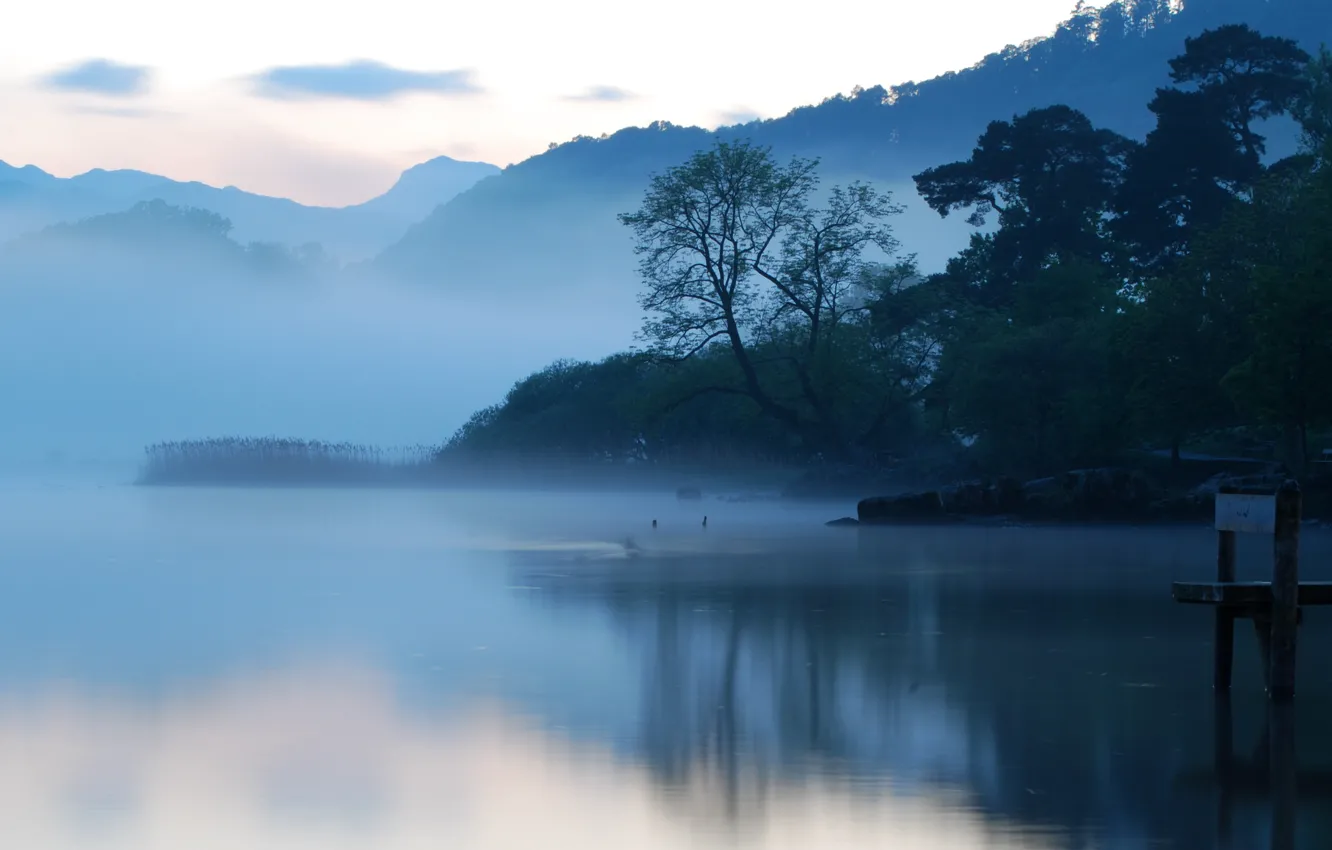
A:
(182, 92)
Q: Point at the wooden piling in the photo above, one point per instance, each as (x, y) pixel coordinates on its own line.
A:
(1224, 661)
(1276, 606)
(1282, 770)
(1223, 744)
(1262, 629)
(1285, 591)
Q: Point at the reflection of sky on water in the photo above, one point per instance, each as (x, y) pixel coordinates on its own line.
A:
(316, 669)
(329, 758)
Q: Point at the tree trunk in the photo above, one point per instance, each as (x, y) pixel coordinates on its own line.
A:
(815, 437)
(1291, 451)
(1304, 449)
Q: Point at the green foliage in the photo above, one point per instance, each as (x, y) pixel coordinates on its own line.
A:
(1314, 108)
(733, 252)
(628, 408)
(1036, 384)
(567, 410)
(1051, 176)
(1205, 152)
(1250, 77)
(1179, 341)
(1180, 182)
(1285, 377)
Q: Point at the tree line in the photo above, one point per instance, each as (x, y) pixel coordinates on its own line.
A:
(1117, 295)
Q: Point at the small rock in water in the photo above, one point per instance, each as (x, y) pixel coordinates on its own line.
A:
(844, 521)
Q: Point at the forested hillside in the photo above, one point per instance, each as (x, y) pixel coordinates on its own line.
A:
(545, 228)
(153, 242)
(1168, 294)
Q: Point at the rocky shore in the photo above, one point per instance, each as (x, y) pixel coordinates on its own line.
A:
(1103, 495)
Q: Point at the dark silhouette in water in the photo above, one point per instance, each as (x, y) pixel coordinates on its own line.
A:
(705, 521)
(1080, 741)
(654, 523)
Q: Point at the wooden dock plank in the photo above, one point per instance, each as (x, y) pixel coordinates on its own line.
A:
(1276, 607)
(1246, 593)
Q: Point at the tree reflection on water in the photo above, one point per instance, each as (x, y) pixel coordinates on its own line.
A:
(1048, 681)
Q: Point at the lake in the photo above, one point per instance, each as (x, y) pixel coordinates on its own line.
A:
(360, 669)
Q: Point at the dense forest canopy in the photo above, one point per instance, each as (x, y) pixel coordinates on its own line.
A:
(1128, 295)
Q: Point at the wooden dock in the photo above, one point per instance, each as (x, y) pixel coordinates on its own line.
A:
(1275, 606)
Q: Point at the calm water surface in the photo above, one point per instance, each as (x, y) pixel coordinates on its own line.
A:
(315, 669)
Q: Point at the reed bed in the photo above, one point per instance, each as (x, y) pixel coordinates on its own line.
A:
(277, 460)
(283, 462)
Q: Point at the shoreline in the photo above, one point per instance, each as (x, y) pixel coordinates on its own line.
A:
(513, 486)
(952, 521)
(1133, 494)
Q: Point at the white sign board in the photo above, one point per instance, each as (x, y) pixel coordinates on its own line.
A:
(1245, 513)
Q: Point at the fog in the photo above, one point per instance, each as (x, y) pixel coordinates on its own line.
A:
(99, 363)
(551, 240)
(290, 668)
(119, 332)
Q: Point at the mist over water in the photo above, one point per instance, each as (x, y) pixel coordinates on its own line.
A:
(97, 368)
(377, 651)
(137, 328)
(384, 669)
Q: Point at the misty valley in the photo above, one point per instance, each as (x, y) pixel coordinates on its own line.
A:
(822, 480)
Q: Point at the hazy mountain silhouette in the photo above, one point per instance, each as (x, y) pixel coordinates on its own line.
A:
(154, 323)
(547, 227)
(31, 199)
(153, 242)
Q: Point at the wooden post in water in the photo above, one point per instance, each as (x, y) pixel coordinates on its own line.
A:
(1225, 617)
(1274, 607)
(1285, 591)
(1223, 746)
(1282, 774)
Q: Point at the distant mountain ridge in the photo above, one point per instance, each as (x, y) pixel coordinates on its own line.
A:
(31, 199)
(547, 228)
(560, 206)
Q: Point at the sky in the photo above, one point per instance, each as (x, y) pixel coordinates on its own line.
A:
(326, 102)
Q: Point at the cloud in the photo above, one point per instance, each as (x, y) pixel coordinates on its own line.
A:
(602, 94)
(122, 112)
(101, 76)
(358, 80)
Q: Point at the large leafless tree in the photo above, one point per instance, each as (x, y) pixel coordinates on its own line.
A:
(733, 251)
